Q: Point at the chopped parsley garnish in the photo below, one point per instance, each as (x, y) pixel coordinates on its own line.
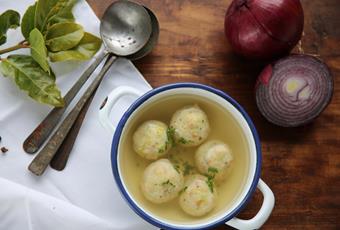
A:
(187, 169)
(210, 177)
(182, 190)
(162, 150)
(176, 167)
(184, 141)
(212, 170)
(210, 183)
(168, 182)
(170, 132)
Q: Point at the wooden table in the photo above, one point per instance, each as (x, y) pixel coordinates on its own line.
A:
(301, 165)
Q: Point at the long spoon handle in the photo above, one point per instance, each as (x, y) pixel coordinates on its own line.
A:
(60, 159)
(41, 161)
(35, 140)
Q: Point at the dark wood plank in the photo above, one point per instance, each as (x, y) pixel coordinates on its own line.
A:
(302, 165)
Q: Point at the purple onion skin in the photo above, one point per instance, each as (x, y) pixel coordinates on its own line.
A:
(264, 29)
(294, 90)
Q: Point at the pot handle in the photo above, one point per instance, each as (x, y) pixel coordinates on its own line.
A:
(261, 217)
(110, 101)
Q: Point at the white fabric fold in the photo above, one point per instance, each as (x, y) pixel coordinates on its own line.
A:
(83, 196)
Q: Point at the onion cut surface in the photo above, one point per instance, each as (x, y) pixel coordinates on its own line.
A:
(294, 90)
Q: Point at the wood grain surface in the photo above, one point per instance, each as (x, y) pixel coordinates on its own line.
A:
(301, 165)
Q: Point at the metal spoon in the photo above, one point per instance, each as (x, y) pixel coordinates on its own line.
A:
(125, 29)
(148, 47)
(60, 159)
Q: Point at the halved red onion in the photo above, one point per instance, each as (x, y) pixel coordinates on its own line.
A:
(264, 28)
(294, 90)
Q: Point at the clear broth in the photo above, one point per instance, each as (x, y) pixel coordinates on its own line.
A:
(223, 127)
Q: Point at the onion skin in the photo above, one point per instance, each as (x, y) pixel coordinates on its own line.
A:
(264, 29)
(294, 90)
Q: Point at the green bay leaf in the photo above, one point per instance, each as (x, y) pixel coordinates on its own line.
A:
(38, 49)
(53, 11)
(87, 48)
(10, 19)
(61, 12)
(27, 23)
(42, 11)
(30, 77)
(63, 36)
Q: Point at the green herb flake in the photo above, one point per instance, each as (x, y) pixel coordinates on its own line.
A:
(170, 132)
(168, 183)
(182, 190)
(210, 183)
(184, 141)
(162, 150)
(212, 170)
(177, 168)
(187, 169)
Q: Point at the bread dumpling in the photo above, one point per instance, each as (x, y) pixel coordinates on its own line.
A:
(161, 182)
(191, 126)
(198, 196)
(150, 140)
(214, 158)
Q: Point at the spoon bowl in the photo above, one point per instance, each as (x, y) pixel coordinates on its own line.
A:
(125, 28)
(148, 47)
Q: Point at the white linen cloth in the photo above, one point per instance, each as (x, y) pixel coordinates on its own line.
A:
(84, 196)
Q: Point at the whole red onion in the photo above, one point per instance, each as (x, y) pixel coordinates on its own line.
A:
(294, 90)
(264, 29)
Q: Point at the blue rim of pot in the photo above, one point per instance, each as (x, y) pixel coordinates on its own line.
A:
(139, 102)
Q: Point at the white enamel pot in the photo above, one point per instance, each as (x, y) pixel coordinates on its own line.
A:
(253, 180)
